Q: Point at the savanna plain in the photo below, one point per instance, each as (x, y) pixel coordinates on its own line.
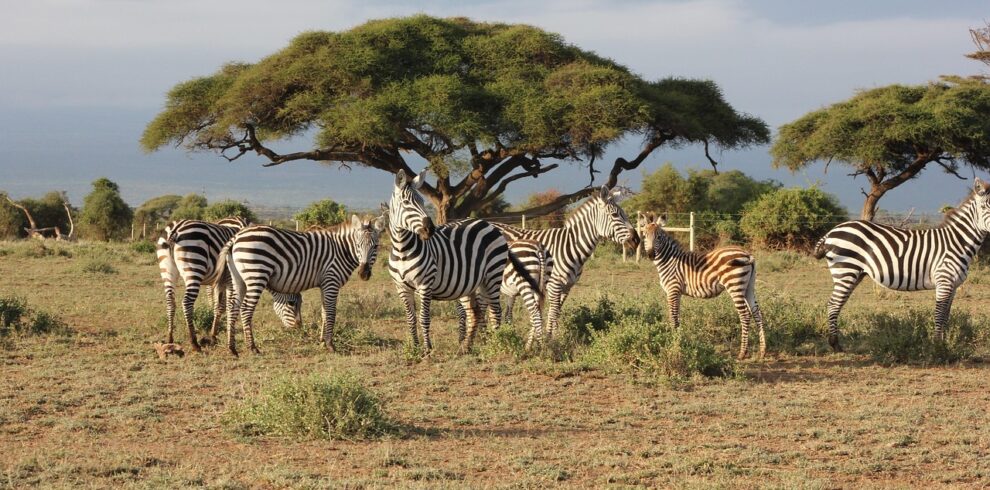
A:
(619, 398)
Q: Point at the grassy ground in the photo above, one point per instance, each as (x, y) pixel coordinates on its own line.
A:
(96, 407)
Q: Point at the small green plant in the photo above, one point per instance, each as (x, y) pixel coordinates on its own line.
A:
(910, 338)
(334, 406)
(143, 247)
(780, 261)
(505, 342)
(584, 321)
(658, 350)
(97, 266)
(12, 309)
(44, 322)
(17, 317)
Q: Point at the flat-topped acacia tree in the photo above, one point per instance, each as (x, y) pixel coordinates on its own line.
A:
(485, 104)
(890, 134)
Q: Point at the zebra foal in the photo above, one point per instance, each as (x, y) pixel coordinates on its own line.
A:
(290, 262)
(187, 251)
(906, 260)
(705, 275)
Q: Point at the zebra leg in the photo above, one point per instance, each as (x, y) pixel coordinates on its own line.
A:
(532, 302)
(745, 319)
(218, 295)
(424, 321)
(674, 305)
(188, 301)
(234, 293)
(944, 294)
(170, 311)
(331, 291)
(555, 299)
(248, 304)
(409, 302)
(510, 301)
(467, 308)
(758, 317)
(842, 287)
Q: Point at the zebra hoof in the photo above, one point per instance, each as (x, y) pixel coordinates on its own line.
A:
(233, 351)
(330, 347)
(833, 342)
(742, 356)
(255, 350)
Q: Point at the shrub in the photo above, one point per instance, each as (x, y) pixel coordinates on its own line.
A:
(337, 406)
(789, 218)
(226, 209)
(143, 247)
(97, 266)
(504, 342)
(657, 349)
(321, 213)
(14, 312)
(191, 206)
(12, 309)
(584, 321)
(910, 338)
(105, 215)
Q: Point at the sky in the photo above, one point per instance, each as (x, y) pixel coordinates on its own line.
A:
(82, 78)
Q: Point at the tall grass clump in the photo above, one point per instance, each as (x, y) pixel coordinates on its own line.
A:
(16, 317)
(910, 339)
(334, 406)
(585, 321)
(657, 350)
(202, 317)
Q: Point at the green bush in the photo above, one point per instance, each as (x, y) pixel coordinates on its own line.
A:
(12, 310)
(321, 213)
(504, 342)
(911, 339)
(96, 265)
(657, 350)
(791, 218)
(17, 317)
(584, 321)
(105, 215)
(335, 406)
(143, 247)
(226, 209)
(191, 206)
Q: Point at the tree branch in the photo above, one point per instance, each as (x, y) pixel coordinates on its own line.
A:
(552, 206)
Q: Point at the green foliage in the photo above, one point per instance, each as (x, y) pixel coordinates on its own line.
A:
(143, 247)
(325, 212)
(226, 209)
(893, 131)
(191, 206)
(791, 218)
(504, 342)
(156, 211)
(657, 350)
(910, 338)
(554, 219)
(495, 207)
(12, 220)
(96, 265)
(105, 215)
(585, 321)
(335, 406)
(17, 317)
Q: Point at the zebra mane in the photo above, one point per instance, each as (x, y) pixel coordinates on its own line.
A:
(579, 212)
(952, 213)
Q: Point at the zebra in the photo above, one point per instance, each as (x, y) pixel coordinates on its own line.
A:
(572, 245)
(187, 250)
(705, 275)
(448, 262)
(530, 283)
(291, 262)
(906, 260)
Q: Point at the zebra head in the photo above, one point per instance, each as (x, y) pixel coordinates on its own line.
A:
(654, 238)
(611, 220)
(406, 210)
(366, 234)
(981, 199)
(288, 307)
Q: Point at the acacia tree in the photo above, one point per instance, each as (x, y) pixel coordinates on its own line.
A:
(484, 104)
(890, 134)
(105, 215)
(981, 38)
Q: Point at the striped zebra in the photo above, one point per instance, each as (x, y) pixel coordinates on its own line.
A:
(572, 245)
(449, 262)
(530, 283)
(906, 260)
(187, 251)
(705, 275)
(290, 262)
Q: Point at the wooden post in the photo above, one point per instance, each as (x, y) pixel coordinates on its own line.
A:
(524, 221)
(691, 233)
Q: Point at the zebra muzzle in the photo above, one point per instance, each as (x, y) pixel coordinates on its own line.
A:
(364, 272)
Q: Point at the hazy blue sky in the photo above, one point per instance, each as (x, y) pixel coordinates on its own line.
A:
(81, 78)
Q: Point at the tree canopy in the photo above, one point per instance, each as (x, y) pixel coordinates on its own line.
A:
(325, 212)
(228, 208)
(484, 104)
(666, 190)
(889, 134)
(105, 215)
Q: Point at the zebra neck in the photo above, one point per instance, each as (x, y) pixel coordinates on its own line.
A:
(671, 250)
(582, 240)
(962, 224)
(403, 242)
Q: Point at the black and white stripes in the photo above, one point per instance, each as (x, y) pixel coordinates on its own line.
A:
(906, 260)
(291, 262)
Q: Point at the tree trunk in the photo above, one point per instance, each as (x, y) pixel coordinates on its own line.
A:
(870, 205)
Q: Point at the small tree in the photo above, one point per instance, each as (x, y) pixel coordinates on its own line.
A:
(325, 212)
(156, 211)
(666, 190)
(105, 215)
(191, 206)
(890, 134)
(12, 220)
(789, 218)
(552, 219)
(226, 209)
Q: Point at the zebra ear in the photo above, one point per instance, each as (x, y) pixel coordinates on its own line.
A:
(384, 208)
(418, 181)
(604, 193)
(980, 187)
(663, 219)
(355, 221)
(378, 224)
(401, 178)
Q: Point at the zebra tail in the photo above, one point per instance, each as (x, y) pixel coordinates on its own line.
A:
(521, 270)
(820, 248)
(223, 262)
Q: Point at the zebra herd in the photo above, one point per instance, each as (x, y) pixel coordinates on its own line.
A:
(472, 261)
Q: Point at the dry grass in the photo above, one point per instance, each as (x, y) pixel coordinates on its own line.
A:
(98, 407)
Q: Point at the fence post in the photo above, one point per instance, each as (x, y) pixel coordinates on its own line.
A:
(524, 221)
(691, 233)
